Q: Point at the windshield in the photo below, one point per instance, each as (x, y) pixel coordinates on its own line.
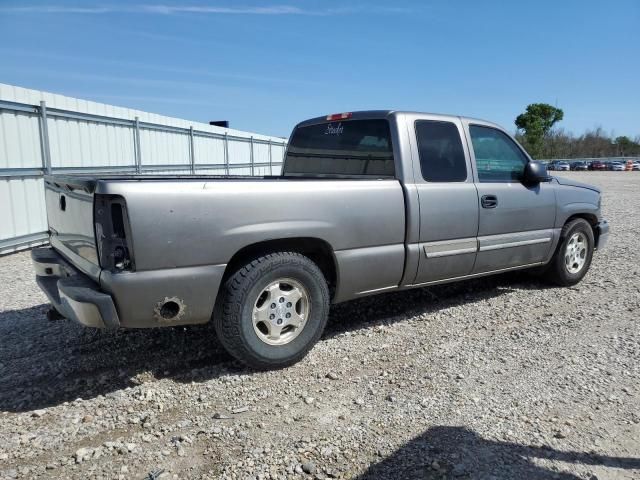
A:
(343, 148)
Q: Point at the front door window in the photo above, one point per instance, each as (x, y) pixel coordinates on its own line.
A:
(498, 158)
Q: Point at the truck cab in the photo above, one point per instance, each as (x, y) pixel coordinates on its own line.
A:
(472, 207)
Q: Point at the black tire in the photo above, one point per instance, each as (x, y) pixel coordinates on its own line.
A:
(232, 316)
(557, 271)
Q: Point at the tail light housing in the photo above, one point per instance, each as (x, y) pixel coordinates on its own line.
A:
(113, 233)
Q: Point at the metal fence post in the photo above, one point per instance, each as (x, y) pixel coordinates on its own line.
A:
(44, 138)
(136, 146)
(192, 154)
(270, 159)
(251, 157)
(226, 154)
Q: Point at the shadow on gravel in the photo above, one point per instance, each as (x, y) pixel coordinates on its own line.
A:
(397, 306)
(461, 453)
(46, 363)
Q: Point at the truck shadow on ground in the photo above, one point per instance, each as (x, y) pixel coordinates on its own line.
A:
(456, 452)
(44, 363)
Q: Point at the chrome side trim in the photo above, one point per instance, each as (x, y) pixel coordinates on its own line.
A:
(473, 275)
(377, 290)
(514, 244)
(517, 239)
(450, 247)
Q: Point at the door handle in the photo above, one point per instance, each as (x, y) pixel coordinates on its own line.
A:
(489, 201)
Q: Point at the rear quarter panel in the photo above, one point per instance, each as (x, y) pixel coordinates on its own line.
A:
(187, 223)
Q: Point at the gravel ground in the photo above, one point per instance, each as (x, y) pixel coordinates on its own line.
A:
(502, 377)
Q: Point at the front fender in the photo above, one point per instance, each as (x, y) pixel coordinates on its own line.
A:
(579, 208)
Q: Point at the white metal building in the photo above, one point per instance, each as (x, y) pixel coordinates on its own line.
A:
(43, 133)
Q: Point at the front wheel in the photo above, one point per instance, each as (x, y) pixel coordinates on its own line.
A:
(573, 257)
(272, 310)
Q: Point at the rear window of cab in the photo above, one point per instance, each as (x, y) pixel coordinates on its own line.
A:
(344, 148)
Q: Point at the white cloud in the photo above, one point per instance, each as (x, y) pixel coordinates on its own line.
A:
(268, 10)
(56, 9)
(163, 9)
(168, 9)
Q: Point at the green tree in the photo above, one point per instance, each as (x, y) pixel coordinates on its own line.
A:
(625, 145)
(536, 123)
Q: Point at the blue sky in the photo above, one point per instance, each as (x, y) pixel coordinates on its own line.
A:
(266, 65)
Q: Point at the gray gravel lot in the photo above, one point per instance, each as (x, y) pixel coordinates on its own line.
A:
(502, 377)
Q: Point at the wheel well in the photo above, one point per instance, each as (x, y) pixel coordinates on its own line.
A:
(319, 251)
(592, 219)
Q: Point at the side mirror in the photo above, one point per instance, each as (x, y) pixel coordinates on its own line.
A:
(534, 173)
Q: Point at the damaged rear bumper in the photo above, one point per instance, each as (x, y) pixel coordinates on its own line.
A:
(141, 299)
(72, 293)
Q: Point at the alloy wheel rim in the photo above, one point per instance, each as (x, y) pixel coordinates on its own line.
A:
(575, 254)
(281, 311)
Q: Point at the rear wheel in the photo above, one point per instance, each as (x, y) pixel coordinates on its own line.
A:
(573, 257)
(272, 310)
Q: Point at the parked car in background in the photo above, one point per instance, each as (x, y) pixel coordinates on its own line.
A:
(579, 166)
(630, 165)
(368, 202)
(597, 165)
(559, 166)
(616, 166)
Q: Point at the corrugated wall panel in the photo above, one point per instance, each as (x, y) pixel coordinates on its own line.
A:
(261, 170)
(19, 140)
(208, 150)
(277, 153)
(260, 153)
(239, 151)
(76, 143)
(164, 148)
(22, 205)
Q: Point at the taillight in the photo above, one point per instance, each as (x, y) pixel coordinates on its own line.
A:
(339, 116)
(113, 238)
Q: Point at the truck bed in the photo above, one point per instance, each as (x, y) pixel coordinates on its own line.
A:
(184, 223)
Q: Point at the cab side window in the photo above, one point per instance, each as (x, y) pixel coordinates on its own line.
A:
(498, 158)
(440, 149)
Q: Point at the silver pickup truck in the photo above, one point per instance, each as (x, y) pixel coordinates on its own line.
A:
(368, 202)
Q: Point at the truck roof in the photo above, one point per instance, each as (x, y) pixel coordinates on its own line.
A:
(377, 114)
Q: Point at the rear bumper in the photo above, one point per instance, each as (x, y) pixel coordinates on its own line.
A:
(602, 229)
(128, 300)
(72, 293)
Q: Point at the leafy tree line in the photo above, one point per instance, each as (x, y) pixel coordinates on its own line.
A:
(537, 134)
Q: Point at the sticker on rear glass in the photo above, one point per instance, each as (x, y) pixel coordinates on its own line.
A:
(331, 130)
